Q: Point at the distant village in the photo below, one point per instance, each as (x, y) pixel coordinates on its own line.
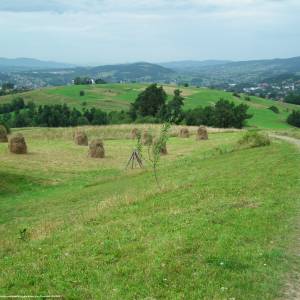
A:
(269, 90)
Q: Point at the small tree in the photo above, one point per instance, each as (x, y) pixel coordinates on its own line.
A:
(81, 93)
(154, 151)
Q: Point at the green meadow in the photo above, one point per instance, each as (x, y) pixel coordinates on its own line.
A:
(222, 224)
(111, 97)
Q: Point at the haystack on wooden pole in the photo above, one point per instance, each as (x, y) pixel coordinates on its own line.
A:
(134, 133)
(17, 144)
(147, 139)
(81, 138)
(3, 134)
(184, 133)
(201, 133)
(96, 149)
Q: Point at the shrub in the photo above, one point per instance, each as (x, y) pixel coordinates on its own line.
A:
(274, 109)
(81, 93)
(254, 139)
(294, 118)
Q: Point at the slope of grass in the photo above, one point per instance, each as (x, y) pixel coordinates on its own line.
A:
(220, 227)
(110, 97)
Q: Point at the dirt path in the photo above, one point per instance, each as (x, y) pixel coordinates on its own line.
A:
(287, 139)
(292, 286)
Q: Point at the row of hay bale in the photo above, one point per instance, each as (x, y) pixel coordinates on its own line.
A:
(147, 138)
(96, 146)
(17, 143)
(201, 133)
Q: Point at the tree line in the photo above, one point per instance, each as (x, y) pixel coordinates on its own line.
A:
(19, 114)
(151, 106)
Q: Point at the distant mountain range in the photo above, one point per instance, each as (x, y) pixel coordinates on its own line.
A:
(37, 73)
(193, 65)
(26, 64)
(141, 71)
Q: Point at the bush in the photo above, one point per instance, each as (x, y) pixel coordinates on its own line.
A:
(294, 118)
(274, 109)
(81, 93)
(254, 139)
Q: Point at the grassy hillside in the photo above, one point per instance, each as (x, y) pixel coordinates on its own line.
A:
(119, 96)
(220, 228)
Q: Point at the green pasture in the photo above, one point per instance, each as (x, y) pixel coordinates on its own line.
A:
(221, 226)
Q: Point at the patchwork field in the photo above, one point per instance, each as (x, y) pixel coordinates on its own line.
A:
(222, 226)
(110, 97)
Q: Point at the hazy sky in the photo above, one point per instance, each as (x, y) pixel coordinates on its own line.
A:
(113, 31)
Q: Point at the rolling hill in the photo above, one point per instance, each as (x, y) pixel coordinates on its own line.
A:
(109, 97)
(141, 71)
(136, 72)
(35, 73)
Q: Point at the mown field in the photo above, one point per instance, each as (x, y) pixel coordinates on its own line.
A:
(221, 226)
(110, 97)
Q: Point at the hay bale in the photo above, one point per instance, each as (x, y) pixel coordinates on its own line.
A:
(134, 133)
(163, 147)
(97, 149)
(81, 138)
(202, 133)
(3, 134)
(184, 133)
(17, 144)
(147, 139)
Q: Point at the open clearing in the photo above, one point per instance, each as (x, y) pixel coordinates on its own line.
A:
(111, 97)
(221, 227)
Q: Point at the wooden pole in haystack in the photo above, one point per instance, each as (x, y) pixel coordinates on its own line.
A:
(135, 157)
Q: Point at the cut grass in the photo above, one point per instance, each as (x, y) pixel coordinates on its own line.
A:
(112, 97)
(219, 229)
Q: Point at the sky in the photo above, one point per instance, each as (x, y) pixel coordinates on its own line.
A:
(95, 32)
